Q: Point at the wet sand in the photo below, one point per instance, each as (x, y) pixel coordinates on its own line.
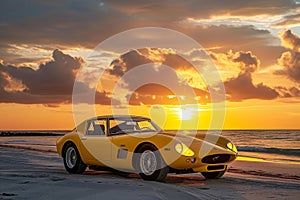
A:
(39, 174)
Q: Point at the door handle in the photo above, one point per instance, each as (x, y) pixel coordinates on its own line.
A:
(122, 145)
(83, 138)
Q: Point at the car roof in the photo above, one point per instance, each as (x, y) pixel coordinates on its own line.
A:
(121, 117)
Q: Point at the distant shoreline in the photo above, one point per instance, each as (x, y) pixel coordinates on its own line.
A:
(33, 133)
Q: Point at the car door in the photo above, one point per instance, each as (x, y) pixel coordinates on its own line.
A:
(118, 133)
(96, 140)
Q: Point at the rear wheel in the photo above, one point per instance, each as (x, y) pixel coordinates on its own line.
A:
(150, 163)
(72, 160)
(213, 175)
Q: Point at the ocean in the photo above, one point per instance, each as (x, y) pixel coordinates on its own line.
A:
(266, 145)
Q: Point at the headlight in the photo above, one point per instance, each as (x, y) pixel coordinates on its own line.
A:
(184, 150)
(231, 147)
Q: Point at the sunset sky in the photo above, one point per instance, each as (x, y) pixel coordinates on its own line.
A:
(255, 46)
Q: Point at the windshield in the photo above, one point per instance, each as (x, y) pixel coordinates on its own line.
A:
(131, 125)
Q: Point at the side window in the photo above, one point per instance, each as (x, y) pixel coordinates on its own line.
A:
(146, 126)
(122, 126)
(96, 127)
(114, 126)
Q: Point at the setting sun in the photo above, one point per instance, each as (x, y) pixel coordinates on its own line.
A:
(185, 113)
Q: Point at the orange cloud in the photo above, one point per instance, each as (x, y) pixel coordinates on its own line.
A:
(52, 83)
(157, 94)
(290, 40)
(154, 93)
(288, 92)
(289, 21)
(241, 87)
(290, 60)
(291, 63)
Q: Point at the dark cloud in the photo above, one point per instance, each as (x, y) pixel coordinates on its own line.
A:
(84, 23)
(117, 68)
(103, 98)
(65, 23)
(290, 60)
(152, 94)
(288, 92)
(138, 57)
(237, 88)
(157, 94)
(247, 62)
(200, 8)
(127, 61)
(241, 87)
(295, 92)
(291, 63)
(221, 39)
(155, 72)
(51, 83)
(250, 62)
(75, 23)
(176, 62)
(53, 77)
(290, 40)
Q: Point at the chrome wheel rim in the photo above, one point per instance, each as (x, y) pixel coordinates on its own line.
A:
(71, 157)
(148, 162)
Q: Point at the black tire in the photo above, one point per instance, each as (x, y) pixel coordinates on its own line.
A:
(72, 160)
(213, 175)
(161, 170)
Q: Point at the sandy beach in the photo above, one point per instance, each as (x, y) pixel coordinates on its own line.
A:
(36, 172)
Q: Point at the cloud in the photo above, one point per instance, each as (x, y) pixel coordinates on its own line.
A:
(232, 63)
(53, 77)
(290, 60)
(150, 94)
(238, 88)
(223, 38)
(288, 92)
(249, 62)
(290, 40)
(154, 62)
(127, 61)
(51, 83)
(288, 21)
(76, 24)
(201, 8)
(241, 87)
(138, 57)
(295, 92)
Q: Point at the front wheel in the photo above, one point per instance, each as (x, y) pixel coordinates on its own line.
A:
(213, 175)
(151, 164)
(72, 160)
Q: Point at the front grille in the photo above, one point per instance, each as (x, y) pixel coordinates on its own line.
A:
(217, 158)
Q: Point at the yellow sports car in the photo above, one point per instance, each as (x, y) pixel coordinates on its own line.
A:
(135, 144)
